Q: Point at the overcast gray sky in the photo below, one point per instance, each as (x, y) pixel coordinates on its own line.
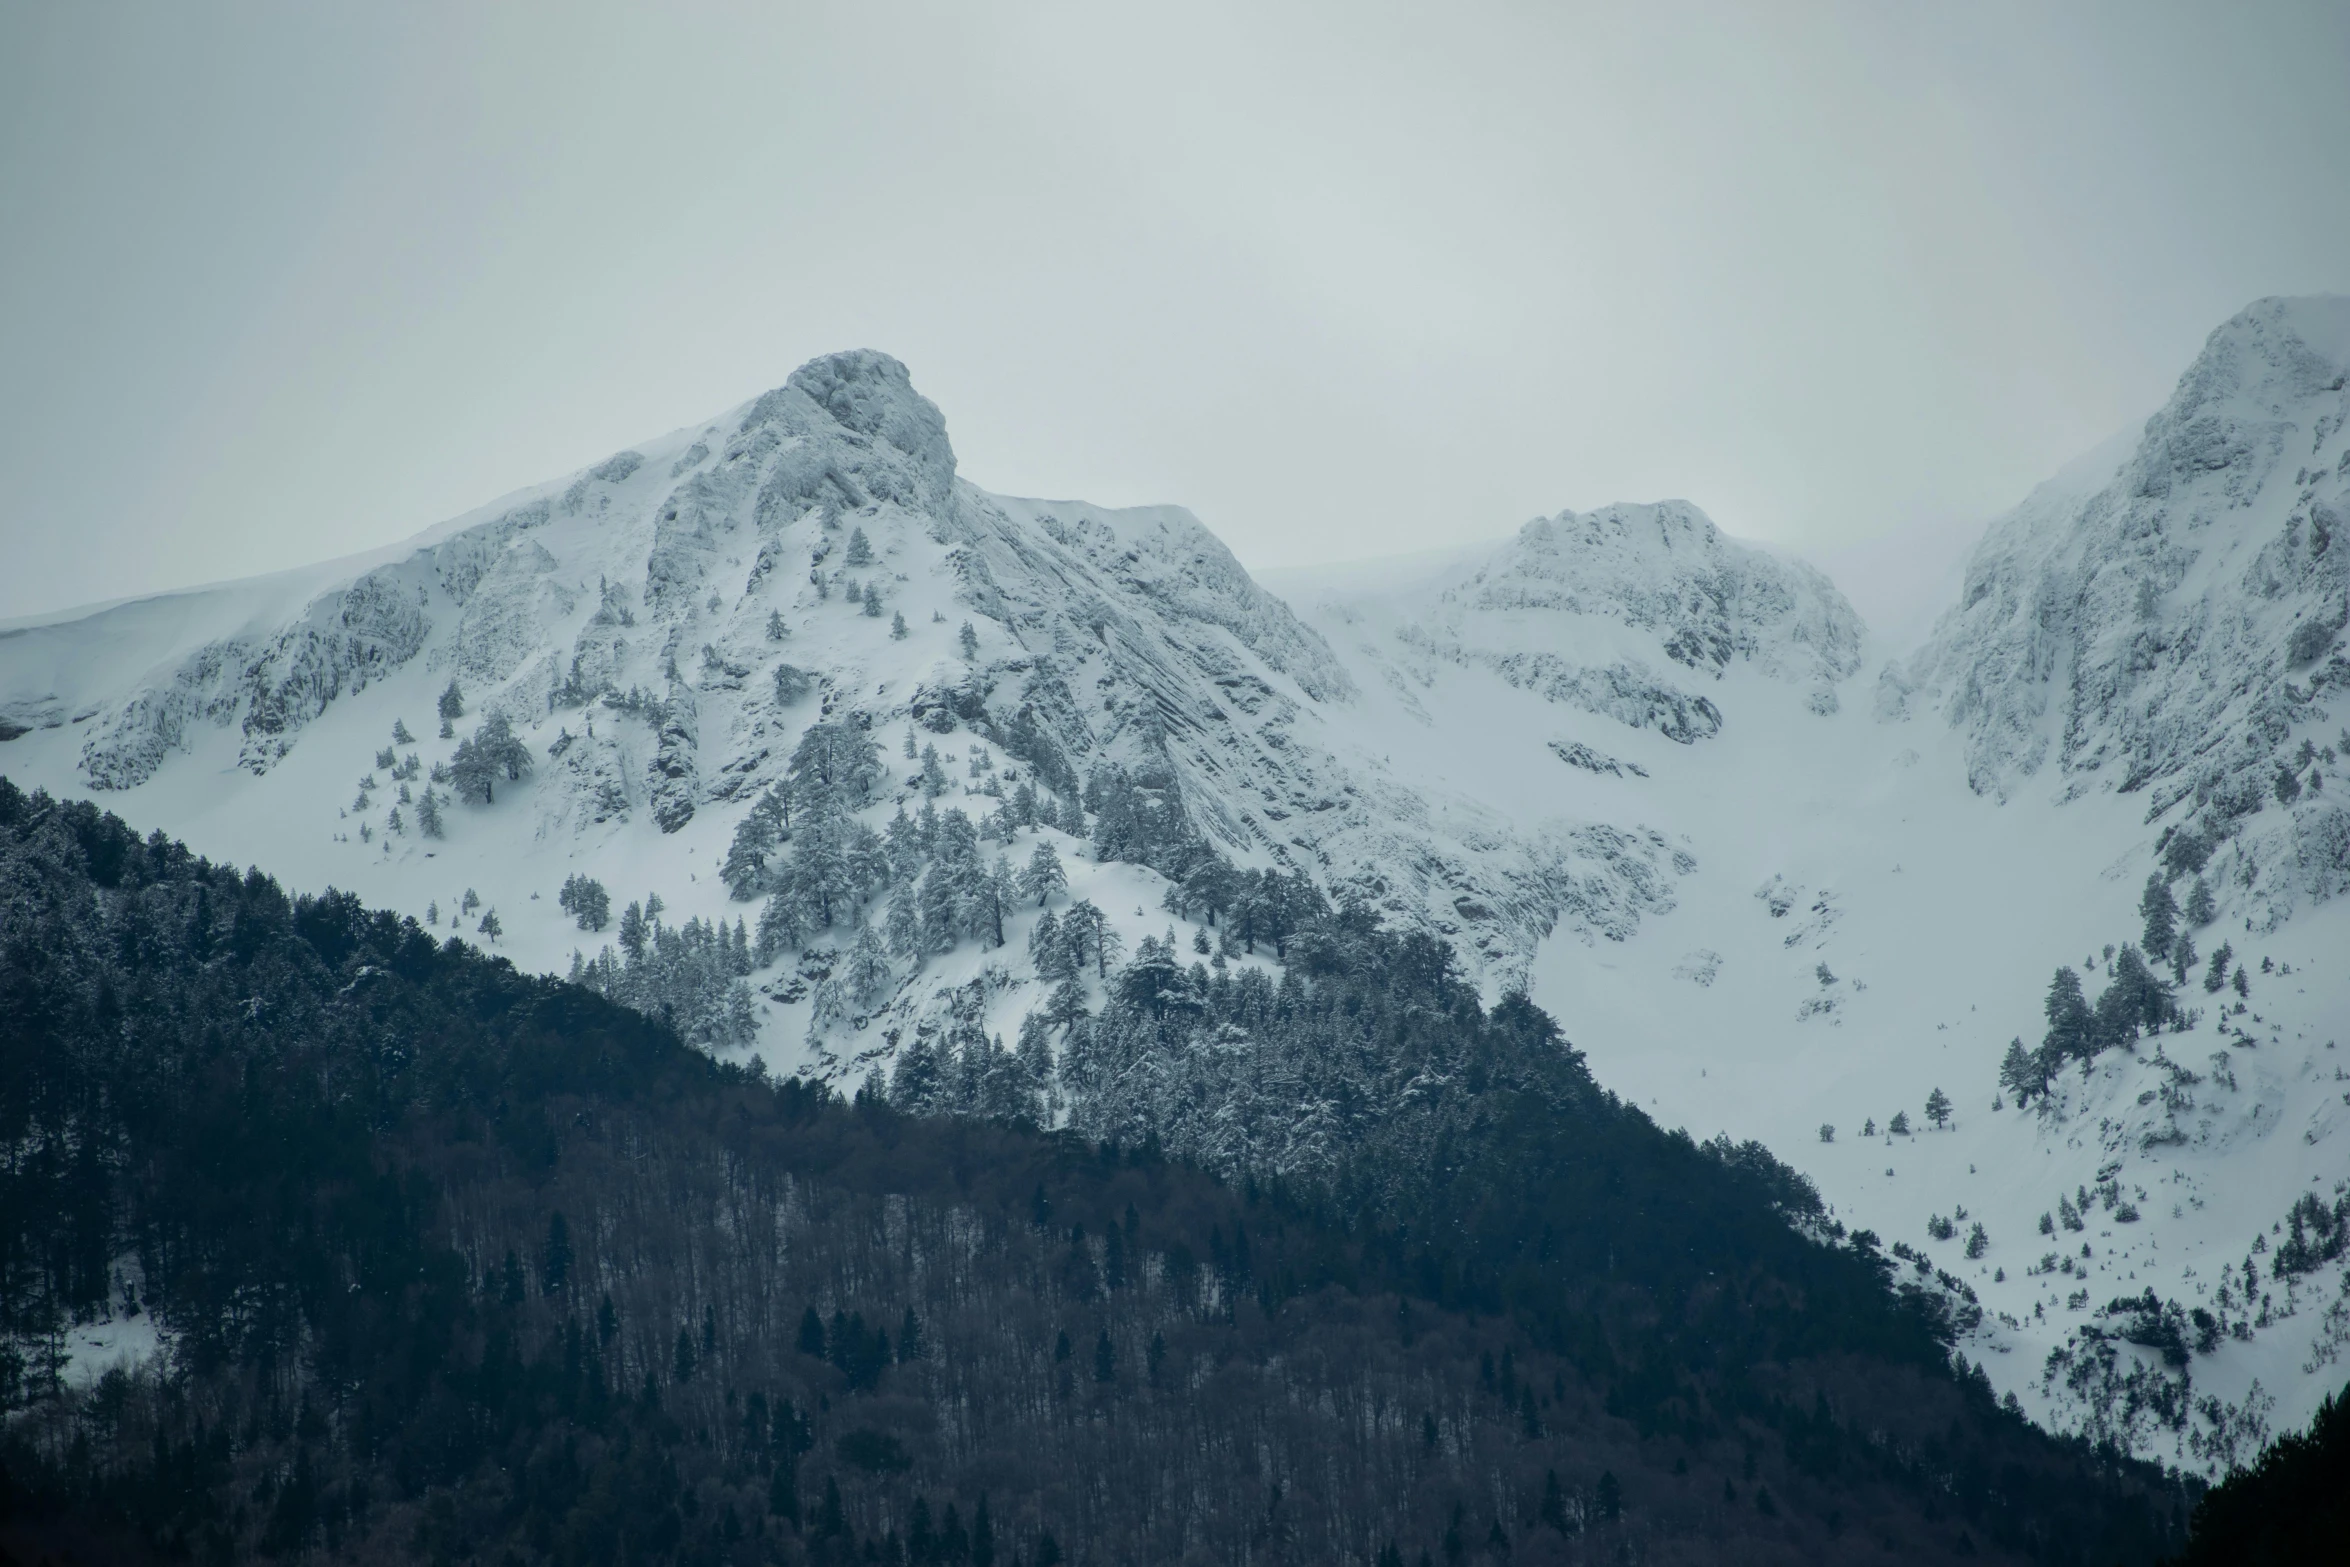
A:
(284, 282)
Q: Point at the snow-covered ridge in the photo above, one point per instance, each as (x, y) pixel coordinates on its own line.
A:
(823, 528)
(2173, 632)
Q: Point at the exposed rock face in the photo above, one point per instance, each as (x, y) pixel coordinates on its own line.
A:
(2174, 632)
(1700, 601)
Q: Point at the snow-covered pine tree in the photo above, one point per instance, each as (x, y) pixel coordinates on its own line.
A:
(755, 838)
(1043, 878)
(866, 972)
(783, 924)
(860, 551)
(872, 602)
(999, 897)
(1048, 951)
(491, 753)
(792, 684)
(968, 640)
(2202, 908)
(452, 702)
(902, 925)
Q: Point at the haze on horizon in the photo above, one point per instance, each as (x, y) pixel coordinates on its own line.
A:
(286, 283)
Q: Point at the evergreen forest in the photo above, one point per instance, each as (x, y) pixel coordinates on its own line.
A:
(444, 1262)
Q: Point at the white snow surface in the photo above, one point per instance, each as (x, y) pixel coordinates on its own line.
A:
(1619, 758)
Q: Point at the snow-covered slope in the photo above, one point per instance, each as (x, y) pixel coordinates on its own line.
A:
(1618, 757)
(1882, 887)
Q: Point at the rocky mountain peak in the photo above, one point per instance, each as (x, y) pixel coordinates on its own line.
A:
(2176, 631)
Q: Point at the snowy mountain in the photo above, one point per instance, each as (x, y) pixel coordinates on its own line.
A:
(1620, 759)
(630, 622)
(1883, 886)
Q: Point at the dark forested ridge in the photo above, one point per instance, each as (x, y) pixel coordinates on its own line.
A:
(457, 1264)
(2292, 1506)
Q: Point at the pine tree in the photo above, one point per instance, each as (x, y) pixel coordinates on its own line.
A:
(2071, 1027)
(400, 734)
(586, 901)
(1043, 878)
(902, 925)
(452, 703)
(792, 683)
(776, 630)
(872, 602)
(897, 627)
(490, 927)
(2023, 1073)
(1066, 1005)
(867, 973)
(1938, 1108)
(1000, 894)
(2202, 908)
(2215, 977)
(860, 552)
(968, 640)
(491, 753)
(745, 868)
(2161, 912)
(1899, 1125)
